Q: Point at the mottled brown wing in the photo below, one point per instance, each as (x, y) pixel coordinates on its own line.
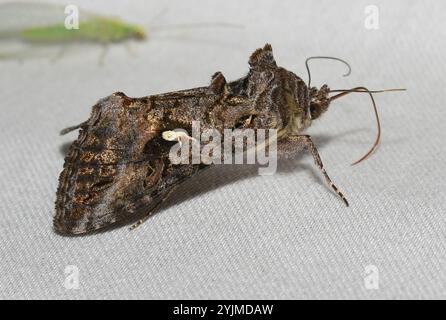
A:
(117, 170)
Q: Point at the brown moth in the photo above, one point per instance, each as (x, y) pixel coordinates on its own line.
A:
(119, 169)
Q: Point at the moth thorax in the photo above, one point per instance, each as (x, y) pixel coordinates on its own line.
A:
(319, 101)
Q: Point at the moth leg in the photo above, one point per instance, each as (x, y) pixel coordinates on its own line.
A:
(292, 145)
(72, 128)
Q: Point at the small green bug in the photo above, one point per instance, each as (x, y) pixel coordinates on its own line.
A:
(45, 23)
(36, 25)
(97, 29)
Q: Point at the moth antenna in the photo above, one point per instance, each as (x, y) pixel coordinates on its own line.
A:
(330, 58)
(344, 92)
(368, 91)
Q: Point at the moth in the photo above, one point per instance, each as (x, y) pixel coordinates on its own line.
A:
(118, 169)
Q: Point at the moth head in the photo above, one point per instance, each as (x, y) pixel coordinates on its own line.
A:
(319, 101)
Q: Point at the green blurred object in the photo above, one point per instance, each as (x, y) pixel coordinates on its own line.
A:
(30, 30)
(45, 23)
(100, 29)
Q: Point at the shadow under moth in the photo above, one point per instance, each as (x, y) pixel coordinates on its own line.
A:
(118, 169)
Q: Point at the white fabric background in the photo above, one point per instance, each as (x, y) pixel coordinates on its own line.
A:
(230, 233)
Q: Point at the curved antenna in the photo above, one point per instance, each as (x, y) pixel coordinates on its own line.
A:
(378, 123)
(364, 91)
(326, 57)
(344, 92)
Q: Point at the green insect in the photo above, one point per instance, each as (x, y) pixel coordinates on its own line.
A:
(41, 22)
(26, 29)
(96, 29)
(34, 27)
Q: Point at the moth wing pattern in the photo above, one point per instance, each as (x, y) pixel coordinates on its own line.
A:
(118, 168)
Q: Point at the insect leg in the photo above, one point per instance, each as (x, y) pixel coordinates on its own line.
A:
(294, 144)
(59, 54)
(103, 54)
(72, 128)
(130, 49)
